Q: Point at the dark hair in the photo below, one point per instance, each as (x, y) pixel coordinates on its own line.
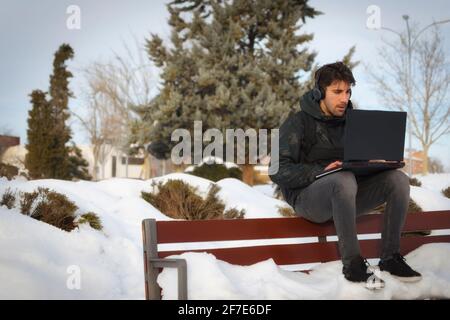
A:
(331, 72)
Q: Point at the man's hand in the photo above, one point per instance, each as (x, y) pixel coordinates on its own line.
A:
(333, 165)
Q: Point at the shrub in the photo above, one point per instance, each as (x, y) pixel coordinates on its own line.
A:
(179, 200)
(286, 211)
(92, 219)
(8, 171)
(413, 206)
(49, 207)
(415, 182)
(216, 172)
(26, 202)
(234, 213)
(8, 199)
(446, 192)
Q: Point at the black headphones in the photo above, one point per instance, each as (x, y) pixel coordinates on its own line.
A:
(317, 92)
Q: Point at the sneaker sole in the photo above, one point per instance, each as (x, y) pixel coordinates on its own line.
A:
(407, 279)
(370, 287)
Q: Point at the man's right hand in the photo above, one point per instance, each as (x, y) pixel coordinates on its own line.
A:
(333, 165)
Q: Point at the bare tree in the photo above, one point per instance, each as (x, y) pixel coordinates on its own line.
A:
(415, 78)
(112, 89)
(435, 165)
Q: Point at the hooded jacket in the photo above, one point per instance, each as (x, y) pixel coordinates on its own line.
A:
(297, 166)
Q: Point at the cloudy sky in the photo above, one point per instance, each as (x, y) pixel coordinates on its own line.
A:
(31, 31)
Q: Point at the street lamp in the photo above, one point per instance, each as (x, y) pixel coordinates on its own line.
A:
(408, 74)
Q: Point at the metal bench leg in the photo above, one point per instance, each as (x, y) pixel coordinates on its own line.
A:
(181, 266)
(152, 263)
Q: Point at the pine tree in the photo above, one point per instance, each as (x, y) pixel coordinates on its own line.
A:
(348, 59)
(38, 146)
(49, 155)
(234, 64)
(78, 166)
(60, 132)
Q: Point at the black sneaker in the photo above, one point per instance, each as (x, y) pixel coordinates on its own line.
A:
(358, 270)
(397, 267)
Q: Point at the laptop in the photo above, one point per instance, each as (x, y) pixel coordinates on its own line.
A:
(374, 141)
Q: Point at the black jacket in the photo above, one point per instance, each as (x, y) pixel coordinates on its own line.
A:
(298, 166)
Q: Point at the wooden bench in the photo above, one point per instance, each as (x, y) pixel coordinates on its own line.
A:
(175, 232)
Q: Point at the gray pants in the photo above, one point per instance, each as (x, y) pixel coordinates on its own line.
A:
(342, 197)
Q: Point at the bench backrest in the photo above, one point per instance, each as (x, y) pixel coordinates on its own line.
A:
(172, 232)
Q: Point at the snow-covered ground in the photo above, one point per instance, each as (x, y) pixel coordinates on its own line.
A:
(210, 278)
(429, 196)
(435, 181)
(39, 261)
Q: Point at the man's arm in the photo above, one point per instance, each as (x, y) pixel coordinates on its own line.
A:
(291, 172)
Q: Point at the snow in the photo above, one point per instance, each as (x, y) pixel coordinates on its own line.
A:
(429, 200)
(267, 189)
(435, 181)
(212, 160)
(243, 196)
(36, 257)
(39, 261)
(429, 196)
(214, 279)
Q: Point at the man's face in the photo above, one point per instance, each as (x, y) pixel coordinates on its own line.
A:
(336, 99)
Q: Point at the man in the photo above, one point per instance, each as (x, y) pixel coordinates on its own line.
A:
(311, 141)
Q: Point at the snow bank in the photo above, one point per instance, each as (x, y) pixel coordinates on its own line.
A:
(429, 200)
(210, 278)
(434, 181)
(39, 261)
(257, 205)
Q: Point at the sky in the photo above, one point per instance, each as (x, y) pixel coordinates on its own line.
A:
(31, 31)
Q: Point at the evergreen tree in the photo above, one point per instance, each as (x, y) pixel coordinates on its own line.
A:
(60, 132)
(49, 156)
(38, 146)
(348, 59)
(234, 64)
(78, 166)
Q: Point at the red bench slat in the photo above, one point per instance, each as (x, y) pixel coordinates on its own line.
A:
(306, 252)
(272, 228)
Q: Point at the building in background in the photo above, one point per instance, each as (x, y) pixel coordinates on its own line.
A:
(116, 164)
(8, 141)
(417, 158)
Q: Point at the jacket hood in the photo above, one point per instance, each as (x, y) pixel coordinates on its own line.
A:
(312, 107)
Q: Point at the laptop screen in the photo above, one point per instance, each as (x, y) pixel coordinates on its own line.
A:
(374, 135)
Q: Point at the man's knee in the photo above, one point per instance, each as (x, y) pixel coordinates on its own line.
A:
(397, 180)
(343, 182)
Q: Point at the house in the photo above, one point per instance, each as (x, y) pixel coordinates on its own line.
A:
(414, 158)
(8, 141)
(113, 162)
